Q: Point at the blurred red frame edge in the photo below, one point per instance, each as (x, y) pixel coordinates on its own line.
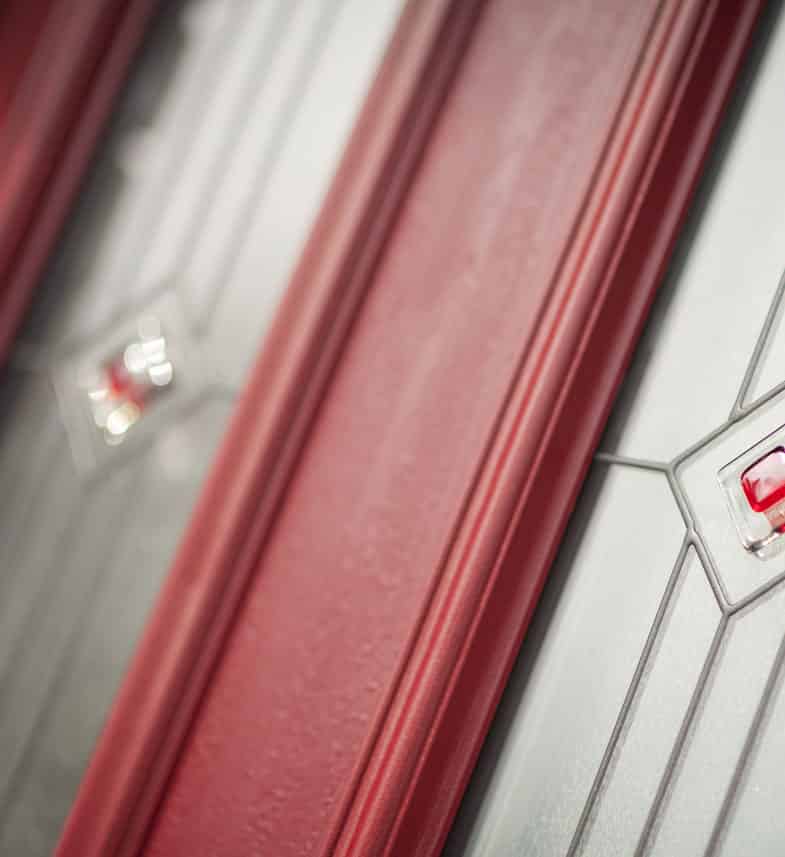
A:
(63, 63)
(422, 748)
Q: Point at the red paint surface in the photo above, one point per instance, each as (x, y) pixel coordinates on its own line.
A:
(272, 758)
(21, 23)
(396, 558)
(242, 498)
(57, 84)
(626, 271)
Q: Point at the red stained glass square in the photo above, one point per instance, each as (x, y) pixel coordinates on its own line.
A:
(764, 481)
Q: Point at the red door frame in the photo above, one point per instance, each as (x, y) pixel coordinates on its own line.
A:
(329, 647)
(63, 63)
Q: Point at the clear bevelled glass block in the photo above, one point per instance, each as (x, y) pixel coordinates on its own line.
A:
(122, 385)
(754, 488)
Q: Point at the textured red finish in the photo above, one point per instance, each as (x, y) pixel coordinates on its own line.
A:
(21, 23)
(451, 729)
(56, 90)
(246, 489)
(378, 526)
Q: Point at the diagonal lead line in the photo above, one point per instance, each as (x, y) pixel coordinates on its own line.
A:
(284, 123)
(758, 593)
(274, 39)
(696, 538)
(757, 352)
(681, 500)
(610, 749)
(627, 461)
(146, 219)
(703, 442)
(721, 822)
(44, 453)
(762, 400)
(678, 745)
(721, 595)
(11, 790)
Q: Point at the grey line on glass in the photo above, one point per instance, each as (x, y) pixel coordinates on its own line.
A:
(731, 793)
(610, 749)
(306, 69)
(757, 352)
(678, 744)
